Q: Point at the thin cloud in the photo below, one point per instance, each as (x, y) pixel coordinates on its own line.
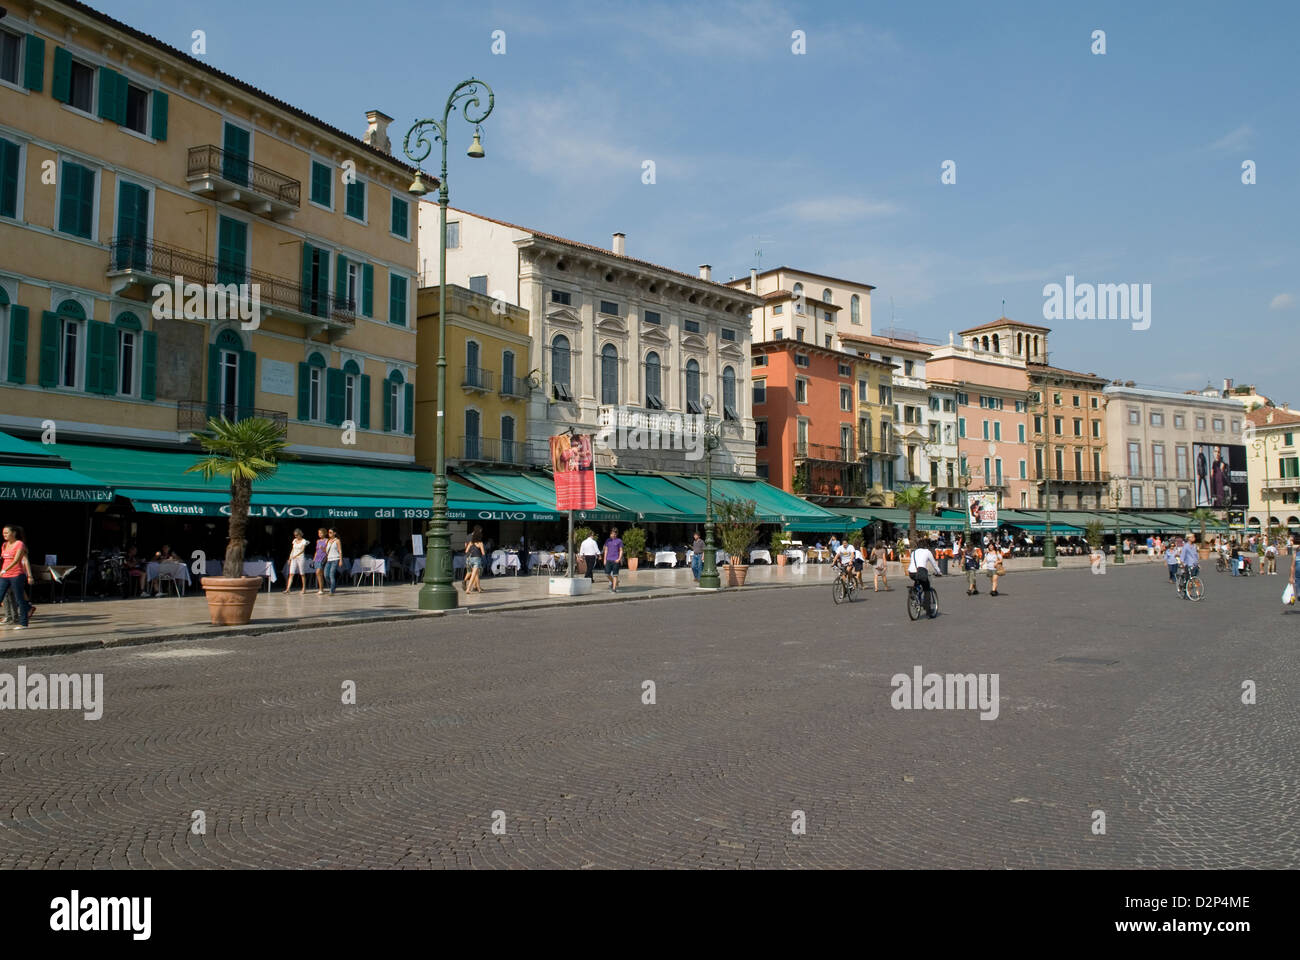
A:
(835, 209)
(1238, 139)
(1282, 301)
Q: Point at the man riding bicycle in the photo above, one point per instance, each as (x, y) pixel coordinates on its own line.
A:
(919, 567)
(848, 559)
(1188, 558)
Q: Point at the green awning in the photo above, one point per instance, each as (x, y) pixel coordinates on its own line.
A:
(627, 493)
(539, 489)
(51, 485)
(772, 504)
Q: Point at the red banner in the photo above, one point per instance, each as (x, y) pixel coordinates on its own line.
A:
(575, 472)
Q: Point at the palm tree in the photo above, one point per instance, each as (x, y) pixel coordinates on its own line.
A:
(914, 500)
(1202, 515)
(244, 451)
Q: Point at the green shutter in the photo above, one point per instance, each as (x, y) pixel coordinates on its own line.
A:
(341, 279)
(112, 96)
(34, 69)
(232, 251)
(334, 395)
(304, 391)
(247, 381)
(132, 226)
(397, 300)
(235, 150)
(305, 296)
(17, 344)
(77, 200)
(149, 366)
(356, 200)
(8, 179)
(108, 345)
(368, 290)
(400, 211)
(159, 126)
(388, 405)
(322, 183)
(365, 402)
(49, 375)
(214, 382)
(409, 412)
(94, 356)
(61, 83)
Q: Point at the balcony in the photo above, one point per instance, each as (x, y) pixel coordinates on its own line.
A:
(908, 383)
(825, 452)
(136, 266)
(1077, 476)
(476, 379)
(194, 414)
(491, 450)
(514, 388)
(213, 173)
(1281, 485)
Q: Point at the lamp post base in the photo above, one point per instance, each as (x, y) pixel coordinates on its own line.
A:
(438, 596)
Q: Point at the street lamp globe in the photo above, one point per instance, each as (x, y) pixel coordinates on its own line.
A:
(707, 401)
(475, 148)
(419, 187)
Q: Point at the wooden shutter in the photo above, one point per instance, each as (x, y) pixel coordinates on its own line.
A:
(247, 381)
(232, 251)
(335, 385)
(8, 179)
(159, 125)
(409, 411)
(368, 290)
(148, 365)
(17, 344)
(340, 279)
(365, 402)
(34, 68)
(94, 357)
(388, 404)
(61, 82)
(214, 378)
(304, 391)
(112, 96)
(49, 373)
(235, 147)
(305, 298)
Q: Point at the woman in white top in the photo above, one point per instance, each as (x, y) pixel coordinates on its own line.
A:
(297, 561)
(991, 560)
(333, 556)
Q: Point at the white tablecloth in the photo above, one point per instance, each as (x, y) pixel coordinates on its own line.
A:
(501, 562)
(666, 556)
(417, 566)
(378, 565)
(764, 555)
(796, 555)
(260, 568)
(720, 557)
(180, 570)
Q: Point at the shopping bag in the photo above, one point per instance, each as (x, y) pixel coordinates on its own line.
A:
(1288, 595)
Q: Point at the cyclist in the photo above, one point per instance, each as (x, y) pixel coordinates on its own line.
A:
(1189, 563)
(919, 567)
(844, 556)
(859, 562)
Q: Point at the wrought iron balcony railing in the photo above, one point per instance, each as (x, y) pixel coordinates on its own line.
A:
(514, 387)
(492, 450)
(476, 378)
(211, 163)
(1067, 475)
(194, 414)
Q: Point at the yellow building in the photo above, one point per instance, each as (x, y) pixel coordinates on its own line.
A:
(130, 171)
(876, 444)
(1272, 468)
(487, 379)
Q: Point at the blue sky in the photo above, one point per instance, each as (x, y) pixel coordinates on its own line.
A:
(1120, 168)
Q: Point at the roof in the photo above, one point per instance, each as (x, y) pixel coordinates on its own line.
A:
(805, 273)
(787, 342)
(1043, 368)
(894, 344)
(602, 250)
(1004, 322)
(234, 81)
(1272, 417)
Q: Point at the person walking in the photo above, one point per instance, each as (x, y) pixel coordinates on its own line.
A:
(333, 557)
(1171, 561)
(697, 556)
(297, 561)
(322, 541)
(971, 564)
(590, 553)
(13, 576)
(993, 569)
(1270, 558)
(878, 567)
(474, 553)
(613, 557)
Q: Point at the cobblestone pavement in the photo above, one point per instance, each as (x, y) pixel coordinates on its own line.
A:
(766, 703)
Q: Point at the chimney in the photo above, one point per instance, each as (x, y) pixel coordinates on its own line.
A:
(706, 271)
(753, 280)
(1227, 384)
(377, 131)
(619, 244)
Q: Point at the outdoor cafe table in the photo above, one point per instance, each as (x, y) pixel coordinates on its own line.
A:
(796, 555)
(252, 568)
(758, 554)
(821, 556)
(666, 556)
(182, 571)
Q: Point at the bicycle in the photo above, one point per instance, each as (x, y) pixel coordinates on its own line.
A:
(1220, 563)
(920, 597)
(845, 586)
(1188, 586)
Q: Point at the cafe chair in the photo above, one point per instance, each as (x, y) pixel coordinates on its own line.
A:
(173, 572)
(366, 567)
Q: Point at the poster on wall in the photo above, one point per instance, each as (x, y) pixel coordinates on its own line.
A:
(983, 509)
(1220, 474)
(573, 462)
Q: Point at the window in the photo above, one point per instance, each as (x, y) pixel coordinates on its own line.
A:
(997, 429)
(778, 333)
(961, 427)
(1096, 465)
(81, 86)
(1134, 417)
(948, 406)
(760, 433)
(864, 433)
(1134, 458)
(397, 300)
(509, 452)
(232, 250)
(316, 388)
(1236, 426)
(478, 284)
(1020, 433)
(826, 295)
(778, 309)
(797, 292)
(1022, 470)
(986, 429)
(1135, 496)
(846, 442)
(798, 334)
(1157, 418)
(1184, 498)
(693, 387)
(77, 201)
(650, 316)
(137, 109)
(1038, 423)
(10, 176)
(729, 411)
(1160, 497)
(1218, 424)
(1287, 440)
(322, 184)
(352, 392)
(69, 346)
(1179, 421)
(801, 360)
(884, 395)
(844, 370)
(800, 390)
(1158, 460)
(761, 471)
(692, 326)
(1056, 399)
(760, 392)
(1078, 427)
(1181, 462)
(609, 307)
(760, 360)
(934, 404)
(653, 382)
(11, 46)
(863, 394)
(963, 399)
(1057, 425)
(355, 202)
(398, 397)
(609, 374)
(565, 298)
(728, 334)
(828, 341)
(453, 235)
(1200, 422)
(352, 280)
(1096, 428)
(127, 345)
(846, 398)
(855, 313)
(908, 366)
(560, 367)
(1021, 406)
(401, 218)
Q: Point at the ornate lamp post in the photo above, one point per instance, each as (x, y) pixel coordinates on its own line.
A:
(1260, 445)
(709, 579)
(438, 593)
(1049, 541)
(1117, 495)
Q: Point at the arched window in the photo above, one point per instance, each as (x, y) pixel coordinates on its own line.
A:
(826, 295)
(352, 392)
(508, 385)
(609, 374)
(996, 347)
(693, 387)
(128, 344)
(472, 442)
(798, 297)
(398, 403)
(729, 411)
(1020, 344)
(855, 311)
(315, 387)
(72, 309)
(986, 342)
(653, 385)
(560, 367)
(509, 450)
(1035, 345)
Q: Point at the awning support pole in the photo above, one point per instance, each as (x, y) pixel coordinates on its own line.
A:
(85, 571)
(569, 555)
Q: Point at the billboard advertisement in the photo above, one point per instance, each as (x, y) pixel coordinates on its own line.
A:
(575, 471)
(983, 509)
(1220, 475)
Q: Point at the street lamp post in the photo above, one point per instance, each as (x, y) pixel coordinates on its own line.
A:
(1260, 445)
(438, 592)
(1049, 541)
(1116, 495)
(709, 579)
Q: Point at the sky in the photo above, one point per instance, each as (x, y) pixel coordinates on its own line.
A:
(1117, 167)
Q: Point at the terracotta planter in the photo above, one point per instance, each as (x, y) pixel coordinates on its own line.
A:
(781, 558)
(736, 574)
(632, 563)
(231, 599)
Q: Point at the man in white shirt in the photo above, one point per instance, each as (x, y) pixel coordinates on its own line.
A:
(844, 555)
(590, 552)
(922, 562)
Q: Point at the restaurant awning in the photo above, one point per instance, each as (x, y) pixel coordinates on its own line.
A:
(32, 471)
(539, 489)
(650, 502)
(772, 504)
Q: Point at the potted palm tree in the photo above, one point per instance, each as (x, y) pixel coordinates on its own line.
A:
(737, 522)
(1094, 531)
(1202, 516)
(777, 546)
(243, 451)
(914, 499)
(633, 546)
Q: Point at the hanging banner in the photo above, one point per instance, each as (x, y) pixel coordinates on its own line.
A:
(983, 509)
(575, 471)
(1220, 475)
